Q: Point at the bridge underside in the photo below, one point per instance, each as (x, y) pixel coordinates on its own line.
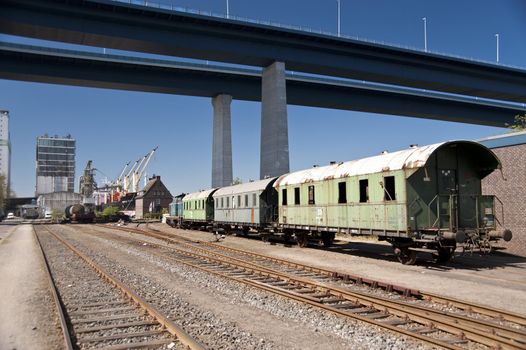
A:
(112, 72)
(129, 27)
(271, 86)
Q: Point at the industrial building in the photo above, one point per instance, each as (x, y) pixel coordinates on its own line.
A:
(5, 149)
(509, 186)
(55, 164)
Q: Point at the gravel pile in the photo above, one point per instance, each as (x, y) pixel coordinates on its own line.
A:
(357, 335)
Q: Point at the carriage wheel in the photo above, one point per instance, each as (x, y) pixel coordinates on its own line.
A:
(328, 238)
(443, 255)
(302, 240)
(405, 256)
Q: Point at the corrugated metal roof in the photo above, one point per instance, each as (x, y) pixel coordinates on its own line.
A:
(199, 195)
(406, 159)
(244, 188)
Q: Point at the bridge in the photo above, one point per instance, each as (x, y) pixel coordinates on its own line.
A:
(130, 27)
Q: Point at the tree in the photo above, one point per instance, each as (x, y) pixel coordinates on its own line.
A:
(520, 123)
(237, 181)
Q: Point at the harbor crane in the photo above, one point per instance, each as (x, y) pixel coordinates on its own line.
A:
(130, 181)
(137, 175)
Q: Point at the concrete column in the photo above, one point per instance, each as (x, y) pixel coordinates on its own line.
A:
(222, 142)
(274, 159)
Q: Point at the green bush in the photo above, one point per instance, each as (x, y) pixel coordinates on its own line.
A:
(57, 214)
(110, 211)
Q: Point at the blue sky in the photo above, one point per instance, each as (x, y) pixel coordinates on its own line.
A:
(113, 127)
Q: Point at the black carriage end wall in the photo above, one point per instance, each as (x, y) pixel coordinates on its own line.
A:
(454, 168)
(510, 188)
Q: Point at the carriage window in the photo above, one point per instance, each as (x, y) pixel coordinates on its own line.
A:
(228, 202)
(246, 200)
(239, 201)
(217, 202)
(254, 200)
(389, 188)
(222, 203)
(364, 191)
(297, 195)
(284, 196)
(342, 192)
(203, 203)
(311, 195)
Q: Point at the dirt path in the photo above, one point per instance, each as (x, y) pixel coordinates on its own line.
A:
(27, 318)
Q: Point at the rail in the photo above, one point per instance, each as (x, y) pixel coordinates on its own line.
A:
(170, 326)
(357, 305)
(51, 283)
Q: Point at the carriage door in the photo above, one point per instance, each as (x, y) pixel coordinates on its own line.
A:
(448, 199)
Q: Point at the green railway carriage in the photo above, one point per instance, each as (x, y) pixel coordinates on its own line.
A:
(198, 208)
(424, 199)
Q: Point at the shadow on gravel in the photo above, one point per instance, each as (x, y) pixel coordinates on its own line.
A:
(463, 261)
(373, 250)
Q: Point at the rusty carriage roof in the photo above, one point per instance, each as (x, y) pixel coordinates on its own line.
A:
(252, 186)
(412, 158)
(199, 195)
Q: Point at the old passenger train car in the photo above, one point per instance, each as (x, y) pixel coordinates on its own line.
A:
(424, 199)
(245, 206)
(198, 209)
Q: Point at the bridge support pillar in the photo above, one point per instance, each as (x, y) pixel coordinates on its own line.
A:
(274, 157)
(222, 142)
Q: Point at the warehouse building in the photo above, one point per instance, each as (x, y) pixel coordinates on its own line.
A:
(509, 186)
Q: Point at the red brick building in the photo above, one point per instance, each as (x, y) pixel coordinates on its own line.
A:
(510, 186)
(153, 198)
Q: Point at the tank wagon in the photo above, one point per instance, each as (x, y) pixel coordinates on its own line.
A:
(80, 213)
(423, 199)
(246, 206)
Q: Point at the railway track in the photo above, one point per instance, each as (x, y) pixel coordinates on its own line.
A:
(310, 285)
(325, 275)
(112, 316)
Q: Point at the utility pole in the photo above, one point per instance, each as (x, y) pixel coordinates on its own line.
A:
(227, 9)
(425, 33)
(497, 36)
(339, 17)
